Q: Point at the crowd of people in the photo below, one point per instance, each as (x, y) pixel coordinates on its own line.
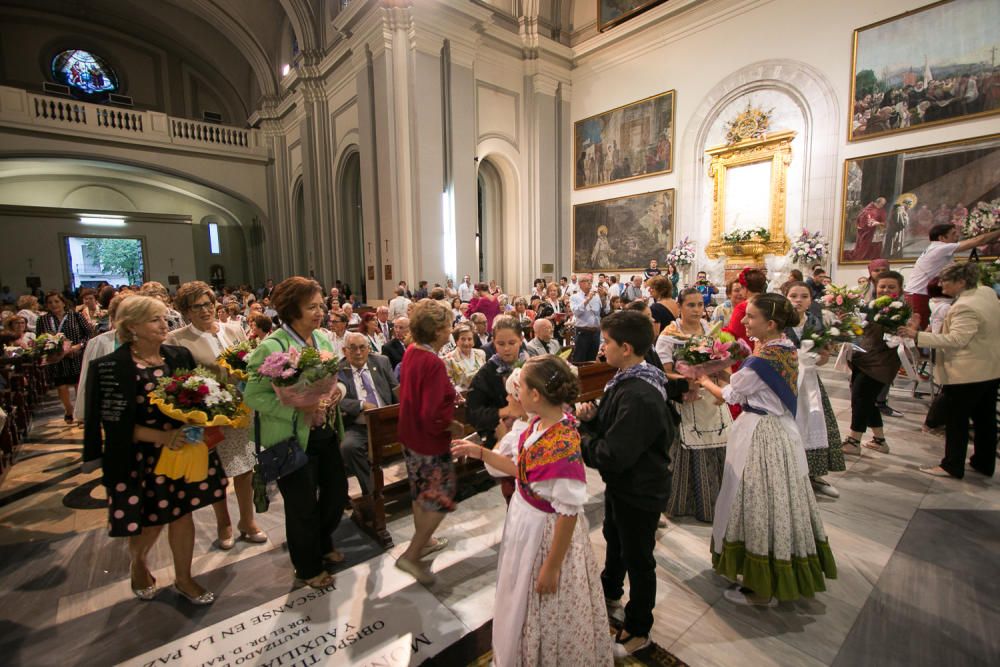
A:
(746, 449)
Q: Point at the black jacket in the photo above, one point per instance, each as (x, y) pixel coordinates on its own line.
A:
(628, 442)
(487, 394)
(393, 351)
(109, 420)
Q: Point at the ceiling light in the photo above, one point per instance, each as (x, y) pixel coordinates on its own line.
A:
(102, 220)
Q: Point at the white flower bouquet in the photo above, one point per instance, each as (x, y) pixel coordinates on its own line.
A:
(984, 217)
(682, 254)
(809, 248)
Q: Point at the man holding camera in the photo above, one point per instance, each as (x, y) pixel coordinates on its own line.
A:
(588, 306)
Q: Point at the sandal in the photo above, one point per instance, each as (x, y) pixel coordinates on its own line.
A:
(334, 556)
(878, 444)
(851, 446)
(319, 582)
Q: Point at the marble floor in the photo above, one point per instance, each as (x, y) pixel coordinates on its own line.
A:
(902, 542)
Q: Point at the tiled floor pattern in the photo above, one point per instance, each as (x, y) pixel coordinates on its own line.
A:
(881, 495)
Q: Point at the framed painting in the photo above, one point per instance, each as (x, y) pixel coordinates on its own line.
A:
(891, 200)
(612, 12)
(631, 141)
(937, 64)
(623, 234)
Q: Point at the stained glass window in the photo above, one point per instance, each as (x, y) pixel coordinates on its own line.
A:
(84, 71)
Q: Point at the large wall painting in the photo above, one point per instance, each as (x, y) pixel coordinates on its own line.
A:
(937, 64)
(612, 12)
(891, 200)
(632, 141)
(623, 234)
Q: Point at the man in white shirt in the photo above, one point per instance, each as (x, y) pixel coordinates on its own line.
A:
(543, 342)
(573, 287)
(398, 305)
(588, 306)
(937, 255)
(466, 291)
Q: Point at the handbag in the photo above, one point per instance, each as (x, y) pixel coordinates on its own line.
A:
(281, 459)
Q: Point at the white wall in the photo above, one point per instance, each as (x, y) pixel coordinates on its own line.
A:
(36, 237)
(702, 49)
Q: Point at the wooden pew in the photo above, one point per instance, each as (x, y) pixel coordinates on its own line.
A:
(384, 448)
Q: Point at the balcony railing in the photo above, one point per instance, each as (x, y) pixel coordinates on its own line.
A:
(26, 110)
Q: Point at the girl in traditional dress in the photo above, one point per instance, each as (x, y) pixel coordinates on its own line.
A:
(549, 602)
(699, 454)
(815, 418)
(767, 530)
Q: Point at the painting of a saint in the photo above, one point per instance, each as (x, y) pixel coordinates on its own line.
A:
(623, 234)
(891, 200)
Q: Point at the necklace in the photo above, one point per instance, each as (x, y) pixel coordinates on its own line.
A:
(147, 360)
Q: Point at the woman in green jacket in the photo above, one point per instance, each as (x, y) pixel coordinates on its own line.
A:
(315, 495)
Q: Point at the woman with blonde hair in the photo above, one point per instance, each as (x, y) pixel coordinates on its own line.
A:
(125, 435)
(27, 307)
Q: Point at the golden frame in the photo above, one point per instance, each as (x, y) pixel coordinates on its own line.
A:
(602, 26)
(670, 157)
(972, 142)
(854, 74)
(619, 269)
(774, 148)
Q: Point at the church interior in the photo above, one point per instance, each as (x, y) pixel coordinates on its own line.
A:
(363, 143)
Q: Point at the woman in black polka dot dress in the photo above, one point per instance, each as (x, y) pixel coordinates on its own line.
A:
(125, 435)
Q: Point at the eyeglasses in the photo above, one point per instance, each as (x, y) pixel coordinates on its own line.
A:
(355, 348)
(208, 305)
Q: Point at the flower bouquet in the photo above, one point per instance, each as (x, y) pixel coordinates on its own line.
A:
(809, 248)
(16, 352)
(709, 354)
(819, 337)
(300, 377)
(984, 217)
(842, 308)
(198, 400)
(888, 312)
(234, 359)
(682, 254)
(51, 348)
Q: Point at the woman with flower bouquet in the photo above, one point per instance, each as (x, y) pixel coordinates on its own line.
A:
(127, 436)
(294, 390)
(815, 417)
(699, 454)
(64, 369)
(208, 340)
(767, 533)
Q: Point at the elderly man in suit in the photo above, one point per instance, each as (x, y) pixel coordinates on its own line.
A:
(968, 368)
(370, 384)
(394, 349)
(543, 342)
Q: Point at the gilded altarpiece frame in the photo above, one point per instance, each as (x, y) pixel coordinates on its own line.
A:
(775, 148)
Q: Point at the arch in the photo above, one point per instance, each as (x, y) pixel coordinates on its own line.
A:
(98, 196)
(304, 24)
(241, 36)
(816, 99)
(490, 200)
(515, 253)
(351, 222)
(300, 249)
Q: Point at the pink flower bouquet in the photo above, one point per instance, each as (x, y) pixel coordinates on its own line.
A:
(708, 355)
(301, 378)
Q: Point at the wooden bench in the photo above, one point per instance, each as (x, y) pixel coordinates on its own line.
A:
(384, 448)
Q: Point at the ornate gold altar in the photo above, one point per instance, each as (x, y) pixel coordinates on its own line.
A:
(751, 149)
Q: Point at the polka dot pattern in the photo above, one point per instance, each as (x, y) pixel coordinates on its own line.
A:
(145, 498)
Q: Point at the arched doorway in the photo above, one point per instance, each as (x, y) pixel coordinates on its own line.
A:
(352, 269)
(489, 245)
(300, 251)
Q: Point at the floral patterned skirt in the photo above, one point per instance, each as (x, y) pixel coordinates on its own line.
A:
(432, 480)
(775, 539)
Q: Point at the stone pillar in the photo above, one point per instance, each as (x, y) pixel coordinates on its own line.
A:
(316, 179)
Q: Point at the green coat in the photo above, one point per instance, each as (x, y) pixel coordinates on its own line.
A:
(276, 418)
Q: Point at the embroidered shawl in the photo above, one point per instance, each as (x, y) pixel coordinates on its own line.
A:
(777, 364)
(555, 455)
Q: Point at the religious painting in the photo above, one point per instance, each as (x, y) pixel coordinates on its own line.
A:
(891, 200)
(938, 64)
(612, 12)
(623, 234)
(85, 73)
(632, 141)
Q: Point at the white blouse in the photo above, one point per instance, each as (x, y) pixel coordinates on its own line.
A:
(747, 388)
(665, 344)
(567, 496)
